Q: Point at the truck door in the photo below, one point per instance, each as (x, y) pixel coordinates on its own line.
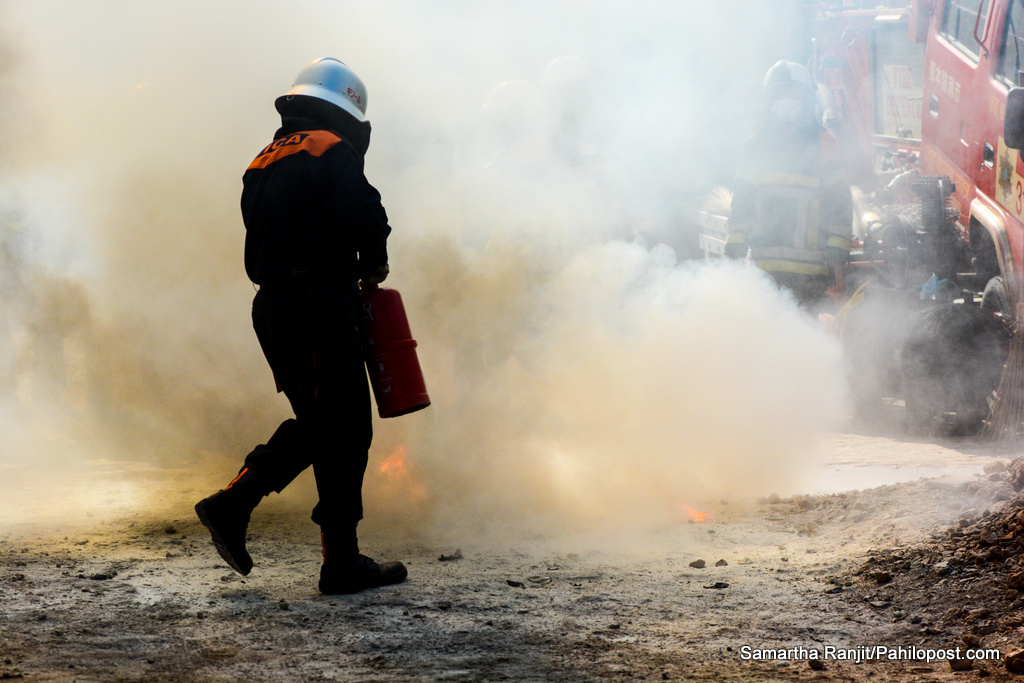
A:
(1001, 177)
(957, 65)
(1003, 182)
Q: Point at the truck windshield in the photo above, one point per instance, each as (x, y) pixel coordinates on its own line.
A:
(1010, 53)
(958, 21)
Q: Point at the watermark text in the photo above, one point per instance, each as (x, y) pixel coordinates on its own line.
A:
(857, 655)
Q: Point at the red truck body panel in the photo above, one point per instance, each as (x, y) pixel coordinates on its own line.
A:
(959, 118)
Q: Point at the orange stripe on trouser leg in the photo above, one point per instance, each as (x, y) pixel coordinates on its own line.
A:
(235, 480)
(323, 546)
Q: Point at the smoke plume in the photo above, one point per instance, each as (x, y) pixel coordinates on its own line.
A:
(584, 367)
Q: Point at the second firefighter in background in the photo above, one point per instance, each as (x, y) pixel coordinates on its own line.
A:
(791, 203)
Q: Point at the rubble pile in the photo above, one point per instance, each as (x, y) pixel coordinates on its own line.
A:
(965, 585)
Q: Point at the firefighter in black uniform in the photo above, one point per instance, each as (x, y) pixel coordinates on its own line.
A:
(314, 228)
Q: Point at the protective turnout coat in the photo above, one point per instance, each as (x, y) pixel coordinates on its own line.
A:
(314, 226)
(307, 205)
(791, 202)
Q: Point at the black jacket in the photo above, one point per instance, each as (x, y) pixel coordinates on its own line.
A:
(307, 205)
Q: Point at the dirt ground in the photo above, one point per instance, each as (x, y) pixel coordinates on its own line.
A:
(135, 592)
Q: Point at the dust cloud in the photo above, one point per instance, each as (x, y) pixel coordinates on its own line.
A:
(585, 368)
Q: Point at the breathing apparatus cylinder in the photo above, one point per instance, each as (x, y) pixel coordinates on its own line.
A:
(390, 352)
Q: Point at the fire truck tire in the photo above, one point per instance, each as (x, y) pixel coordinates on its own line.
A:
(995, 299)
(950, 365)
(920, 416)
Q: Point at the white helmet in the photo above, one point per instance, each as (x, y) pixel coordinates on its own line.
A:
(784, 72)
(330, 80)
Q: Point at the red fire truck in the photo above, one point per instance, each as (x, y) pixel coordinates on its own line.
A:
(933, 88)
(928, 103)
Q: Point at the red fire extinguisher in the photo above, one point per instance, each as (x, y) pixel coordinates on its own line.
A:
(390, 352)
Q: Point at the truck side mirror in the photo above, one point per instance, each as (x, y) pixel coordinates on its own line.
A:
(1013, 125)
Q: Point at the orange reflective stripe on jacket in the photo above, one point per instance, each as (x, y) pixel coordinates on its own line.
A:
(314, 142)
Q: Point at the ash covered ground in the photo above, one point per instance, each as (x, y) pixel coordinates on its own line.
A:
(130, 592)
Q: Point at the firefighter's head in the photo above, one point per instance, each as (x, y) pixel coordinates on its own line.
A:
(789, 90)
(329, 92)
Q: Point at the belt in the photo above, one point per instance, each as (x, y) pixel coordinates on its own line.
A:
(300, 280)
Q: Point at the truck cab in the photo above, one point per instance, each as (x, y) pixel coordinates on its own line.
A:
(927, 101)
(922, 91)
(930, 82)
(974, 57)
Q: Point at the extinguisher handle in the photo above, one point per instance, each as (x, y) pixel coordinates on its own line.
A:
(377, 275)
(367, 286)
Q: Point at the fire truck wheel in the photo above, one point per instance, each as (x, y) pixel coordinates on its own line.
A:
(920, 415)
(994, 298)
(950, 365)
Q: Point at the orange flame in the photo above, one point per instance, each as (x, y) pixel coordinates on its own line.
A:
(401, 478)
(394, 465)
(695, 515)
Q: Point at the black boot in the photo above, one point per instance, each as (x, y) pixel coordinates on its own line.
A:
(346, 571)
(226, 515)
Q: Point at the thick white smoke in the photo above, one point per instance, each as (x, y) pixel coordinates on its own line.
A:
(581, 368)
(616, 388)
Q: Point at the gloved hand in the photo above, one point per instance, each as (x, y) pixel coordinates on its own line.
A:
(377, 275)
(835, 256)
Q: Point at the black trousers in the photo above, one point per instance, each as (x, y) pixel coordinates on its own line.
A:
(311, 343)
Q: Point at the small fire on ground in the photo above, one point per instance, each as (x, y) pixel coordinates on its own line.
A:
(695, 515)
(394, 465)
(400, 477)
